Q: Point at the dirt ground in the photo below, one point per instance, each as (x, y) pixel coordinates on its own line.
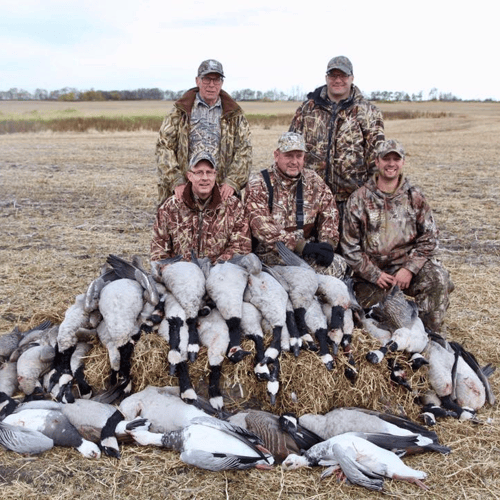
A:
(69, 200)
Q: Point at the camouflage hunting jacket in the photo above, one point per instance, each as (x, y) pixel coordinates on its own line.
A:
(321, 219)
(172, 147)
(382, 230)
(356, 128)
(218, 231)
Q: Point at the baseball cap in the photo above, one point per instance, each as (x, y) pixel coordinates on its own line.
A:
(291, 141)
(210, 66)
(340, 62)
(202, 155)
(390, 146)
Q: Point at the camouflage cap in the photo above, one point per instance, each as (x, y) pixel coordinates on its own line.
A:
(210, 66)
(202, 155)
(390, 146)
(291, 141)
(340, 62)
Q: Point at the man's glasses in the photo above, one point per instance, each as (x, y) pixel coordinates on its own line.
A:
(207, 80)
(334, 76)
(199, 174)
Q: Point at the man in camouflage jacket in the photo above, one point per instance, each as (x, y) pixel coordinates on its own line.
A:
(232, 147)
(275, 215)
(390, 238)
(200, 220)
(341, 130)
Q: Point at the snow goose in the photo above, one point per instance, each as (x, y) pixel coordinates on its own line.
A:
(55, 425)
(24, 441)
(211, 444)
(8, 378)
(341, 420)
(363, 462)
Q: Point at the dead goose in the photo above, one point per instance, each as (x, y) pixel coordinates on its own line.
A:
(24, 441)
(363, 462)
(211, 444)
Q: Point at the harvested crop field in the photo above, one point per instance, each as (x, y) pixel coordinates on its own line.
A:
(67, 200)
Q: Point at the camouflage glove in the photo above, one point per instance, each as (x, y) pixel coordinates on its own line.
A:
(322, 253)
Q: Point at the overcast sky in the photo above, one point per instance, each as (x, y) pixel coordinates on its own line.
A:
(262, 44)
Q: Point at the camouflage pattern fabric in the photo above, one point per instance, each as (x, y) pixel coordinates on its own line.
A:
(431, 288)
(218, 231)
(320, 213)
(204, 134)
(357, 129)
(172, 148)
(385, 232)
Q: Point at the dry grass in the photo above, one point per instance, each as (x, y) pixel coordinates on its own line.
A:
(68, 200)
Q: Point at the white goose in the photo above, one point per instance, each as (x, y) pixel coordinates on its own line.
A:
(211, 444)
(363, 463)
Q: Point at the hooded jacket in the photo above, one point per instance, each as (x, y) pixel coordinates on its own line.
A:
(341, 139)
(382, 230)
(172, 147)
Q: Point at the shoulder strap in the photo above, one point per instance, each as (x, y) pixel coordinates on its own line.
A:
(300, 205)
(270, 189)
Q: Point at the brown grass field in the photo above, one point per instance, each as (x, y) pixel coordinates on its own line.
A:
(67, 200)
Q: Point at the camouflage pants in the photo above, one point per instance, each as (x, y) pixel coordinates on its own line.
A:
(430, 288)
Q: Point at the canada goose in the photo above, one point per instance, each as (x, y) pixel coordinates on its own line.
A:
(281, 435)
(215, 336)
(301, 285)
(24, 441)
(363, 462)
(270, 298)
(316, 323)
(225, 284)
(9, 342)
(31, 365)
(55, 425)
(400, 316)
(97, 422)
(186, 281)
(120, 304)
(8, 378)
(341, 420)
(135, 271)
(211, 444)
(173, 328)
(453, 380)
(162, 407)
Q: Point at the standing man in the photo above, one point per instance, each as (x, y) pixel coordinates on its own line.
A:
(204, 118)
(200, 220)
(292, 204)
(390, 238)
(341, 130)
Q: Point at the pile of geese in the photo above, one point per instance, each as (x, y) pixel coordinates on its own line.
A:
(197, 303)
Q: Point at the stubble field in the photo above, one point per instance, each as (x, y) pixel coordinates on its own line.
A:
(67, 200)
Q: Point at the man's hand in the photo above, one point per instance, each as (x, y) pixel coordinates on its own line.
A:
(386, 280)
(179, 190)
(226, 191)
(403, 278)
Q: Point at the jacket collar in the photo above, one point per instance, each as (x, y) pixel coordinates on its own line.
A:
(188, 197)
(186, 102)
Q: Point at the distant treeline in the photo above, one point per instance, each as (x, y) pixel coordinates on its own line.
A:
(72, 95)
